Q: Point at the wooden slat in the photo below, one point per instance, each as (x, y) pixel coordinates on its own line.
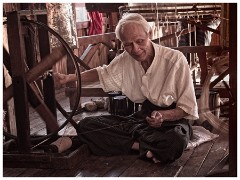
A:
(203, 65)
(38, 70)
(233, 84)
(13, 172)
(87, 92)
(107, 166)
(174, 35)
(93, 92)
(219, 149)
(19, 89)
(106, 38)
(31, 172)
(193, 165)
(198, 49)
(88, 54)
(39, 173)
(67, 160)
(123, 162)
(219, 78)
(142, 168)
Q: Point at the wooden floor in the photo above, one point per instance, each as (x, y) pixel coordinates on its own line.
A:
(197, 162)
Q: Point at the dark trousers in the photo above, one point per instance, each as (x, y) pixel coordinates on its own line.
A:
(112, 135)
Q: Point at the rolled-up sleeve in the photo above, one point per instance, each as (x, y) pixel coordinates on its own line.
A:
(110, 76)
(185, 91)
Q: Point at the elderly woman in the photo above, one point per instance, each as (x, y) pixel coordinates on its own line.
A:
(148, 73)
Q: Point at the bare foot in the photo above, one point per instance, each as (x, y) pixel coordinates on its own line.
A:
(135, 146)
(150, 155)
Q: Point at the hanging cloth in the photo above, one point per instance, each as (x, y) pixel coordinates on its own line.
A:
(61, 19)
(95, 23)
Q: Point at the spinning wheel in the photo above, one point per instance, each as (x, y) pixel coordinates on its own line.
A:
(34, 74)
(220, 66)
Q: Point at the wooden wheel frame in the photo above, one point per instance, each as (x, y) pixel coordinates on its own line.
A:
(33, 74)
(204, 110)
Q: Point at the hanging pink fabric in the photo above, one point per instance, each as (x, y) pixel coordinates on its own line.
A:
(95, 23)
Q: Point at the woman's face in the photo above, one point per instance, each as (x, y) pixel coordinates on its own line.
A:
(136, 42)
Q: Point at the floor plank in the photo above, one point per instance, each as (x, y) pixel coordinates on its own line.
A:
(120, 164)
(13, 172)
(219, 149)
(31, 172)
(107, 166)
(194, 163)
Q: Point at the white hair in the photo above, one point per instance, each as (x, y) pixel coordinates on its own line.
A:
(131, 18)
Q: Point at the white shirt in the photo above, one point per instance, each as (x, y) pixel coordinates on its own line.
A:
(167, 80)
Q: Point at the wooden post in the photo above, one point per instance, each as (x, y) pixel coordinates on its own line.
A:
(48, 83)
(233, 86)
(17, 56)
(204, 67)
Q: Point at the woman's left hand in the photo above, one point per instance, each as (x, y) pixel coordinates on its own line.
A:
(155, 120)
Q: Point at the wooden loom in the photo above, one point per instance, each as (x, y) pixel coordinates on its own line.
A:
(23, 150)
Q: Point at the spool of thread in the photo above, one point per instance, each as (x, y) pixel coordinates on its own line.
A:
(111, 95)
(120, 105)
(60, 145)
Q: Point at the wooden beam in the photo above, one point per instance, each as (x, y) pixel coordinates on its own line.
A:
(19, 89)
(169, 36)
(106, 38)
(48, 82)
(198, 49)
(38, 70)
(201, 52)
(219, 78)
(233, 85)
